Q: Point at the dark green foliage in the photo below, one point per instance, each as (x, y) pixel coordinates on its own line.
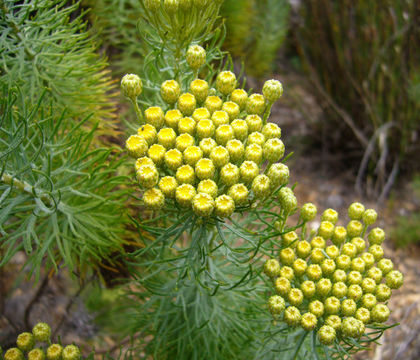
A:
(43, 46)
(59, 200)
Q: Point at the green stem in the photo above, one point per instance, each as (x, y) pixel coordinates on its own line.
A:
(139, 114)
(299, 345)
(267, 112)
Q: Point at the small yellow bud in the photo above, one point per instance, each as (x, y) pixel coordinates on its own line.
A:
(254, 152)
(224, 133)
(323, 287)
(339, 275)
(136, 146)
(290, 239)
(255, 104)
(314, 272)
(239, 96)
(143, 161)
(363, 315)
(172, 118)
(220, 156)
(295, 297)
(376, 236)
(358, 264)
(170, 91)
(147, 176)
(377, 252)
(186, 126)
(348, 307)
(278, 175)
(328, 266)
(326, 229)
(157, 153)
(349, 249)
(240, 129)
(204, 169)
(354, 228)
(368, 285)
(394, 279)
(232, 109)
(213, 103)
(369, 259)
(225, 206)
(339, 290)
(339, 235)
(271, 131)
(282, 286)
(368, 301)
(359, 243)
(155, 116)
(203, 204)
(332, 305)
(292, 316)
(186, 104)
(207, 145)
(369, 216)
(71, 352)
(375, 274)
(308, 288)
(236, 150)
(173, 159)
(41, 332)
(192, 154)
(229, 174)
(317, 241)
(26, 341)
(168, 185)
(14, 354)
(54, 352)
(196, 57)
(287, 272)
(205, 129)
(316, 307)
(200, 89)
(330, 215)
(131, 86)
(343, 262)
(167, 137)
(261, 186)
(352, 327)
(317, 256)
(147, 132)
(326, 335)
(208, 187)
(185, 175)
(287, 199)
(184, 141)
(201, 114)
(249, 170)
(226, 82)
(220, 117)
(356, 211)
(272, 90)
(276, 305)
(385, 265)
(287, 256)
(334, 321)
(256, 138)
(382, 292)
(299, 267)
(308, 213)
(273, 150)
(308, 321)
(254, 123)
(272, 268)
(184, 195)
(239, 194)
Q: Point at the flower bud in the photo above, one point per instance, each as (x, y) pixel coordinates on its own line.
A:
(354, 291)
(363, 315)
(339, 290)
(317, 241)
(192, 154)
(308, 321)
(54, 352)
(354, 228)
(368, 301)
(287, 256)
(334, 321)
(166, 137)
(240, 129)
(394, 279)
(186, 126)
(220, 156)
(328, 267)
(299, 267)
(359, 243)
(172, 118)
(376, 236)
(36, 354)
(236, 150)
(308, 288)
(349, 249)
(226, 82)
(147, 132)
(356, 211)
(326, 335)
(314, 272)
(196, 57)
(375, 274)
(232, 109)
(276, 305)
(225, 206)
(271, 131)
(249, 170)
(332, 251)
(330, 215)
(358, 264)
(256, 138)
(187, 104)
(155, 116)
(168, 185)
(136, 146)
(213, 103)
(25, 341)
(278, 175)
(369, 259)
(71, 352)
(201, 114)
(272, 268)
(220, 117)
(224, 133)
(254, 123)
(154, 199)
(207, 145)
(184, 194)
(272, 90)
(339, 235)
(255, 105)
(185, 175)
(317, 256)
(368, 285)
(348, 307)
(203, 204)
(380, 313)
(229, 174)
(41, 332)
(204, 169)
(343, 262)
(377, 252)
(385, 265)
(292, 316)
(261, 186)
(316, 307)
(332, 305)
(143, 161)
(131, 86)
(351, 327)
(369, 216)
(303, 249)
(339, 275)
(239, 194)
(282, 286)
(208, 187)
(323, 287)
(287, 199)
(147, 176)
(383, 292)
(173, 159)
(239, 96)
(200, 89)
(205, 129)
(13, 354)
(184, 141)
(273, 150)
(170, 91)
(157, 153)
(308, 213)
(287, 272)
(254, 152)
(326, 229)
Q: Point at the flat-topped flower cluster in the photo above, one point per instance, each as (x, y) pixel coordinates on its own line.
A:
(335, 289)
(207, 151)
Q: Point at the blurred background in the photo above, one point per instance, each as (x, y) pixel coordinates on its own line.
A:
(350, 111)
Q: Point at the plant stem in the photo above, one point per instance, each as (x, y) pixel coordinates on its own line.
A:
(139, 114)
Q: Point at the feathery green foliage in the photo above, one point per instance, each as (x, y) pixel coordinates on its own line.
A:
(43, 45)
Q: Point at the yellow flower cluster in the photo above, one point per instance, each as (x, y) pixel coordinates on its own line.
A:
(336, 287)
(41, 333)
(206, 152)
